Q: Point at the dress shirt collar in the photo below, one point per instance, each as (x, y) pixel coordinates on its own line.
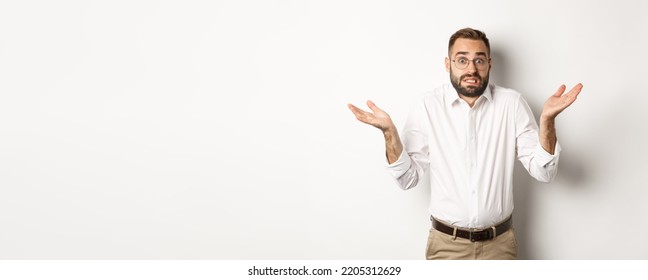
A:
(452, 95)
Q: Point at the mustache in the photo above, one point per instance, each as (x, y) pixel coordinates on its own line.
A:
(470, 76)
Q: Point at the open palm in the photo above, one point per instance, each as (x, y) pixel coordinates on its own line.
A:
(559, 101)
(377, 118)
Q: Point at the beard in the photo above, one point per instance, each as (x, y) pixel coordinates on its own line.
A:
(469, 91)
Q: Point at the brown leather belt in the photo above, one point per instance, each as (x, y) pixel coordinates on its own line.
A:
(480, 235)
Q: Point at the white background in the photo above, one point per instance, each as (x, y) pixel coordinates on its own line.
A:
(219, 129)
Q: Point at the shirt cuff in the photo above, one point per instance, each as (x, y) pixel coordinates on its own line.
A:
(544, 158)
(400, 166)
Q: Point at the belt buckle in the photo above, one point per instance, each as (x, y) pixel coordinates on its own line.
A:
(475, 236)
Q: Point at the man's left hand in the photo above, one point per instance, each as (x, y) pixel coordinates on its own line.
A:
(559, 101)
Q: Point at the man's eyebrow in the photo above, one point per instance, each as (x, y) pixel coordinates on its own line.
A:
(476, 54)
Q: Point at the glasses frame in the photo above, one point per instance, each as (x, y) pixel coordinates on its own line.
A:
(488, 60)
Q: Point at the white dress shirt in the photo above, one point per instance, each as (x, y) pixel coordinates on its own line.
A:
(470, 153)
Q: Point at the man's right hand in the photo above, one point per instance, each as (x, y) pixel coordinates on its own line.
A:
(379, 118)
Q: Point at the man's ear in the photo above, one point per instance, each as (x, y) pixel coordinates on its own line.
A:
(447, 64)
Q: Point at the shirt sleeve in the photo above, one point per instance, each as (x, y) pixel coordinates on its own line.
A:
(539, 163)
(400, 166)
(414, 159)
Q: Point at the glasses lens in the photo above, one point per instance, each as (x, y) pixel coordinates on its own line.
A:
(461, 63)
(480, 63)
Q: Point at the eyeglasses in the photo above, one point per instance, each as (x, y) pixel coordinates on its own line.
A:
(462, 63)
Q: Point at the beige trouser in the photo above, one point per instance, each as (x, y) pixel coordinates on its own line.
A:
(442, 246)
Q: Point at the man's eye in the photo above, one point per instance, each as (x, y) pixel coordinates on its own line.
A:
(479, 61)
(462, 61)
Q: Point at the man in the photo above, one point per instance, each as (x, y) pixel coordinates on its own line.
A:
(467, 134)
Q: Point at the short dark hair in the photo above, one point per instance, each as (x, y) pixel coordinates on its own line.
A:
(469, 33)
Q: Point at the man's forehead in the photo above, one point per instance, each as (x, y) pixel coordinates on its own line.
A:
(471, 53)
(464, 46)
